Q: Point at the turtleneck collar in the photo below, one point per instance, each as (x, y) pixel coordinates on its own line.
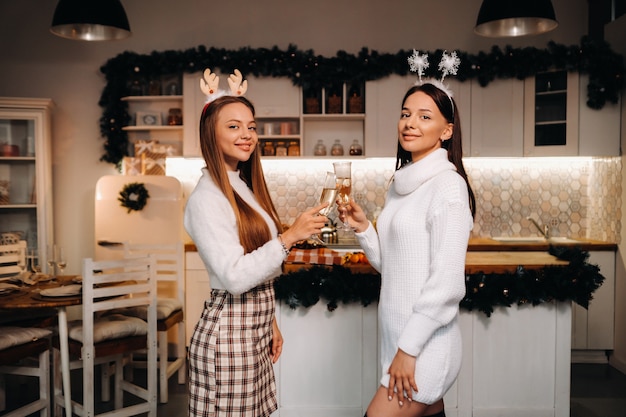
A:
(411, 176)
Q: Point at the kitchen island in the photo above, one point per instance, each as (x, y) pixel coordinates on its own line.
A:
(516, 360)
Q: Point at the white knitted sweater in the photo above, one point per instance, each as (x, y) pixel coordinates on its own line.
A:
(420, 251)
(210, 221)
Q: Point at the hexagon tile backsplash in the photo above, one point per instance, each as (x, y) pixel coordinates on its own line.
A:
(575, 197)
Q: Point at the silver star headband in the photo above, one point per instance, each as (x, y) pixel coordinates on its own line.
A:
(448, 65)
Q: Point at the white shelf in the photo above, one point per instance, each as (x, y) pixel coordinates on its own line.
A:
(152, 98)
(158, 127)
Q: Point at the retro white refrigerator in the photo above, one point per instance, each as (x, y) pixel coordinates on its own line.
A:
(159, 222)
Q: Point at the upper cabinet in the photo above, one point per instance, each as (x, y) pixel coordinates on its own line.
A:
(25, 172)
(558, 121)
(383, 107)
(285, 125)
(551, 114)
(157, 115)
(598, 130)
(496, 119)
(546, 115)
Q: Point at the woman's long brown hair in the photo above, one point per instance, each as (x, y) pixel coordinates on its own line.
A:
(454, 145)
(253, 230)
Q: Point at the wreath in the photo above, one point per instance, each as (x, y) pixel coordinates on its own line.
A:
(134, 196)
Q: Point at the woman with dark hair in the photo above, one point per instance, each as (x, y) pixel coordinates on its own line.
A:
(239, 237)
(419, 248)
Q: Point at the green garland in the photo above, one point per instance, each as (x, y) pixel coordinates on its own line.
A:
(304, 68)
(134, 196)
(573, 282)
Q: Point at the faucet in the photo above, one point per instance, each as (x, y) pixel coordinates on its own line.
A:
(545, 230)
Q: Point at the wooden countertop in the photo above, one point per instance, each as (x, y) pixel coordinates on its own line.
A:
(488, 244)
(485, 244)
(489, 262)
(489, 256)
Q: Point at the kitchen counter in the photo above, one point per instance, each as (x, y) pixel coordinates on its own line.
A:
(486, 244)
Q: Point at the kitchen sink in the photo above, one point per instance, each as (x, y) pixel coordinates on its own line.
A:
(534, 239)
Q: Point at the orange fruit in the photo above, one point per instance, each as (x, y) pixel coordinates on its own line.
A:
(354, 258)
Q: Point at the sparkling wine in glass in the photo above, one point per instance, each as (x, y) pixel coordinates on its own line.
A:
(35, 265)
(61, 260)
(343, 171)
(52, 260)
(328, 195)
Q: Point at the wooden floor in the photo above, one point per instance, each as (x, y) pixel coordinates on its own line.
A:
(596, 391)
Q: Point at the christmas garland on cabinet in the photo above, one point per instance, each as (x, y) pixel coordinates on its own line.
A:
(304, 68)
(484, 292)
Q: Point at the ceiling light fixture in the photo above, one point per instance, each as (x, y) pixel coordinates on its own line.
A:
(510, 18)
(90, 20)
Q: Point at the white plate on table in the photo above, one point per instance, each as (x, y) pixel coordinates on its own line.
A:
(6, 288)
(63, 291)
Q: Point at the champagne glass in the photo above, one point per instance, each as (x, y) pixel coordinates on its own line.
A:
(35, 265)
(61, 260)
(329, 194)
(22, 261)
(343, 171)
(52, 260)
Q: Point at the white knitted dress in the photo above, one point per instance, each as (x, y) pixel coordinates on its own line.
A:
(420, 251)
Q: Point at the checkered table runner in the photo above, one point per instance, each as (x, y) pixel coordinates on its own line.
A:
(320, 256)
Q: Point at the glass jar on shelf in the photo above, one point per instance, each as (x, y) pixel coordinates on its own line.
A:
(268, 148)
(281, 148)
(320, 149)
(337, 148)
(294, 148)
(356, 148)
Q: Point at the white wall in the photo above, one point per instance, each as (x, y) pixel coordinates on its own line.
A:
(35, 63)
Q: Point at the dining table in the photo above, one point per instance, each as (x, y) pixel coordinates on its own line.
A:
(29, 298)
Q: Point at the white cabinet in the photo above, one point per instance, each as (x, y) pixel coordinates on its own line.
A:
(197, 291)
(496, 119)
(25, 171)
(551, 114)
(593, 328)
(157, 118)
(277, 104)
(329, 365)
(599, 130)
(383, 107)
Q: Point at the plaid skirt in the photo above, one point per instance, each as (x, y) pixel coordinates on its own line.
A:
(231, 372)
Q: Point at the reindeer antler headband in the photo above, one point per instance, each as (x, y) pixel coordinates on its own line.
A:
(209, 84)
(448, 65)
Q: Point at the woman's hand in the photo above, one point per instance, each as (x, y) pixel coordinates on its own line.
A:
(402, 377)
(308, 223)
(276, 346)
(353, 214)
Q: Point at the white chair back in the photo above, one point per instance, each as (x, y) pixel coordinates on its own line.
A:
(170, 262)
(11, 257)
(112, 285)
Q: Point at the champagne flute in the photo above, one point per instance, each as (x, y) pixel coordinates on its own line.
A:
(343, 171)
(35, 265)
(329, 194)
(52, 260)
(61, 261)
(22, 261)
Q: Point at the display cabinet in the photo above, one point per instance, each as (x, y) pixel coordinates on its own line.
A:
(25, 172)
(551, 114)
(156, 118)
(285, 127)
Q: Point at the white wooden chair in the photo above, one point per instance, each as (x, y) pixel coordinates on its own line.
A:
(170, 269)
(103, 338)
(26, 352)
(11, 257)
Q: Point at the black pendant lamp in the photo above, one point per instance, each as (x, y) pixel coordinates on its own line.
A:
(509, 18)
(90, 20)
